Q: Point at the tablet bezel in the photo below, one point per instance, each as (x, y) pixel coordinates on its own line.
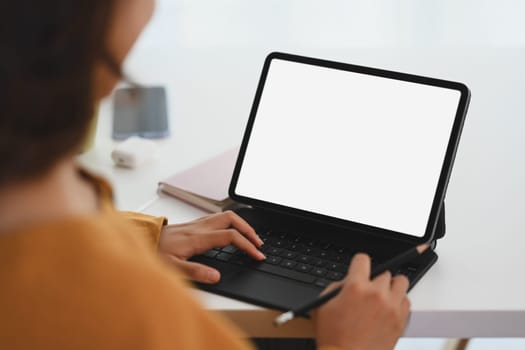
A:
(445, 169)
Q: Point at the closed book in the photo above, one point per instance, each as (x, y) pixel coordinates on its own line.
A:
(204, 185)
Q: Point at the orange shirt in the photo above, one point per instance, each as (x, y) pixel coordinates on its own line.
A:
(95, 282)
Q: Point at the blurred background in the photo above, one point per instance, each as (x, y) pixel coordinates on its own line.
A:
(267, 25)
(205, 45)
(477, 42)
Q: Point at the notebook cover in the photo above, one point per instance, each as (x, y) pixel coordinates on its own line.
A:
(209, 179)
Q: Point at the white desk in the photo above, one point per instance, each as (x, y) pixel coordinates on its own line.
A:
(476, 288)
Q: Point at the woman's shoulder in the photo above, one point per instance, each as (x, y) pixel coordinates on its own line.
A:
(98, 244)
(74, 251)
(94, 251)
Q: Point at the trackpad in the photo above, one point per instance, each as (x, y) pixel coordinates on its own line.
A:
(266, 290)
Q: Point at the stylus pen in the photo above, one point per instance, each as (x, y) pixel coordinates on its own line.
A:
(391, 264)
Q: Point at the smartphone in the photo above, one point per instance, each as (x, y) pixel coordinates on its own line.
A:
(140, 111)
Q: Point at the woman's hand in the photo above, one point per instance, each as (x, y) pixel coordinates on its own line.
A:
(365, 314)
(179, 242)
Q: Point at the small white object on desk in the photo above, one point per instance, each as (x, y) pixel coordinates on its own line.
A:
(133, 152)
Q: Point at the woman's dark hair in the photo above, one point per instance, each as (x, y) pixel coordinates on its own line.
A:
(48, 53)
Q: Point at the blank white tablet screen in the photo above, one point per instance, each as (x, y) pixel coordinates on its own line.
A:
(348, 145)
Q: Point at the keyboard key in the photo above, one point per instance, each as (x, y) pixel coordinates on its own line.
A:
(211, 253)
(307, 250)
(280, 243)
(230, 249)
(341, 250)
(336, 267)
(294, 247)
(311, 243)
(277, 270)
(304, 259)
(274, 260)
(323, 254)
(303, 268)
(289, 264)
(340, 259)
(319, 263)
(241, 260)
(411, 268)
(273, 251)
(409, 271)
(322, 283)
(316, 271)
(334, 275)
(288, 254)
(223, 256)
(337, 257)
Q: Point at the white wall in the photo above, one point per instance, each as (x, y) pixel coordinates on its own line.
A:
(287, 24)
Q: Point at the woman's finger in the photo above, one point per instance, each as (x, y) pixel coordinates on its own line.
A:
(383, 281)
(405, 311)
(195, 271)
(399, 287)
(405, 307)
(359, 270)
(222, 238)
(229, 219)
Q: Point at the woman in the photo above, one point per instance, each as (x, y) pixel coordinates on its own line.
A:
(74, 272)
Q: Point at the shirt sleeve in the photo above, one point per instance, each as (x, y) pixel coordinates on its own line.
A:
(146, 225)
(159, 310)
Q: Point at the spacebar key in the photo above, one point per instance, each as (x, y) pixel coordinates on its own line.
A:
(298, 276)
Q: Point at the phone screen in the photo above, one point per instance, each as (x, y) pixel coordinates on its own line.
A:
(140, 111)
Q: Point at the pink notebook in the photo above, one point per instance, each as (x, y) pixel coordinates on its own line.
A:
(206, 184)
